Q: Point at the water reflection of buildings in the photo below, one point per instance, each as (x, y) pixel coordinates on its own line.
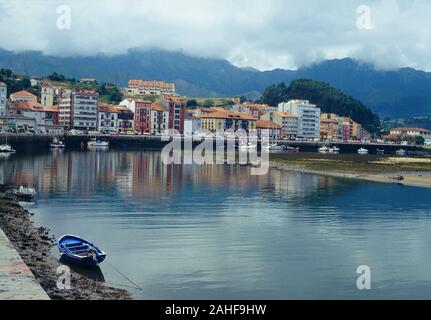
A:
(142, 174)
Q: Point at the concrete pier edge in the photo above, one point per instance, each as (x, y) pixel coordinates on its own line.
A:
(17, 282)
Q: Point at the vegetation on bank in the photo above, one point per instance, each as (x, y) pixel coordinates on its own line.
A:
(328, 98)
(108, 92)
(16, 82)
(193, 103)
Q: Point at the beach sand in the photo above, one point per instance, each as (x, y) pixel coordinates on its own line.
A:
(405, 171)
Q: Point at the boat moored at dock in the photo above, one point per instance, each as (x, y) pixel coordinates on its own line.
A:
(363, 151)
(57, 144)
(401, 152)
(5, 148)
(96, 143)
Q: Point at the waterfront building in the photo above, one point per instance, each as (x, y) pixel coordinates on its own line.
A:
(192, 124)
(329, 126)
(334, 127)
(203, 111)
(3, 99)
(46, 118)
(411, 132)
(78, 109)
(16, 122)
(23, 96)
(65, 108)
(347, 129)
(159, 119)
(84, 109)
(142, 87)
(47, 94)
(226, 120)
(273, 129)
(268, 114)
(288, 123)
(125, 118)
(108, 118)
(129, 103)
(254, 109)
(357, 131)
(308, 117)
(366, 136)
(142, 121)
(176, 108)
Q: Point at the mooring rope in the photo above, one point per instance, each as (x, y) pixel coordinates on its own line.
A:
(125, 277)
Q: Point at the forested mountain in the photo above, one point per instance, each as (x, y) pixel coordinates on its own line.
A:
(397, 93)
(328, 98)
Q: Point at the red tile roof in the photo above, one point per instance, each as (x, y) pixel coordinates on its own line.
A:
(157, 107)
(285, 115)
(23, 93)
(104, 107)
(32, 106)
(228, 115)
(266, 124)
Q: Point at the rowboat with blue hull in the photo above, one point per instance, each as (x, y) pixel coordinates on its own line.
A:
(76, 250)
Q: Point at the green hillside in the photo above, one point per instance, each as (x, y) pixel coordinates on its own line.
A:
(328, 98)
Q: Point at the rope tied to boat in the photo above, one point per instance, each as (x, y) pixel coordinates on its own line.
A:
(135, 285)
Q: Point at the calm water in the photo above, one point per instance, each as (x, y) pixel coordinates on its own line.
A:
(212, 232)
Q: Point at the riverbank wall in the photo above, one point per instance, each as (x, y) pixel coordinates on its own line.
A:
(142, 142)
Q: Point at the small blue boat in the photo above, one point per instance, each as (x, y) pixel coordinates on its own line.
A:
(80, 251)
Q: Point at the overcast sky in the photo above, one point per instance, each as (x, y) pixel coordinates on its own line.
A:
(264, 34)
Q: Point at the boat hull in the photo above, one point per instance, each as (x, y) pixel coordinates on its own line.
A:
(6, 149)
(66, 244)
(98, 145)
(87, 261)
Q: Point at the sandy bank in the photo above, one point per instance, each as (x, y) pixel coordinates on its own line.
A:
(394, 174)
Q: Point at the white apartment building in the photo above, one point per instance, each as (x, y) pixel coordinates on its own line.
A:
(65, 108)
(107, 119)
(78, 109)
(129, 103)
(3, 98)
(85, 109)
(308, 117)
